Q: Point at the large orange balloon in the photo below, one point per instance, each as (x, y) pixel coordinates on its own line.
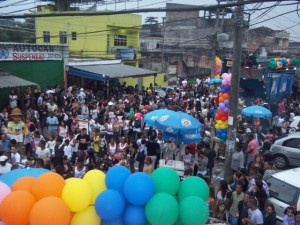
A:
(23, 183)
(15, 208)
(48, 184)
(50, 211)
(221, 99)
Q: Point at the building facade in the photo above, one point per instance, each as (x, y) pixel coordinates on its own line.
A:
(107, 37)
(190, 41)
(275, 42)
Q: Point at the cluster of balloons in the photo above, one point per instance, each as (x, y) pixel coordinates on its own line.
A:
(279, 63)
(117, 198)
(222, 112)
(218, 67)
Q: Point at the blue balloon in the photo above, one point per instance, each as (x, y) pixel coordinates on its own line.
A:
(118, 221)
(110, 205)
(116, 177)
(10, 177)
(138, 188)
(134, 215)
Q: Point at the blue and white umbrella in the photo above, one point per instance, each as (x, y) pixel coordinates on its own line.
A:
(151, 117)
(256, 111)
(182, 139)
(215, 81)
(178, 123)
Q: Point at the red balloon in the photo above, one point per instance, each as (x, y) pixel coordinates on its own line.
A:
(218, 117)
(223, 118)
(220, 113)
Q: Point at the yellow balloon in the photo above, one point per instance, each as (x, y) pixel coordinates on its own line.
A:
(217, 126)
(222, 126)
(96, 179)
(219, 122)
(87, 216)
(77, 194)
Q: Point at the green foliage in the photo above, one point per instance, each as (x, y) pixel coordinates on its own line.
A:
(15, 31)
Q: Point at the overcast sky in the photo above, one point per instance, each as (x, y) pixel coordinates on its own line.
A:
(279, 23)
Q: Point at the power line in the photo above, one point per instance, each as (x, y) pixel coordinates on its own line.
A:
(147, 10)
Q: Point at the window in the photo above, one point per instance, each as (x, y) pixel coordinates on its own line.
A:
(46, 36)
(74, 36)
(292, 143)
(63, 37)
(120, 40)
(283, 191)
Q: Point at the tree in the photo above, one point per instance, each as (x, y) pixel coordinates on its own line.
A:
(152, 24)
(14, 31)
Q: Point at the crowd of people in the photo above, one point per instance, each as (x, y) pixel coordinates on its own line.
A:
(42, 129)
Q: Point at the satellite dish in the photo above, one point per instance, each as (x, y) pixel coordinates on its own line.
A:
(223, 37)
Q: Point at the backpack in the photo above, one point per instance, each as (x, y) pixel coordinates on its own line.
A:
(137, 123)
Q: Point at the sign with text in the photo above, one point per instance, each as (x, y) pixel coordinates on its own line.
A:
(30, 52)
(126, 53)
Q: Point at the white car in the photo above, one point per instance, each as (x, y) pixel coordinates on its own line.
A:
(285, 190)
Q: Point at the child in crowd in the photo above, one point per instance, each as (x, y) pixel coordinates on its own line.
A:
(148, 169)
(51, 144)
(289, 217)
(220, 212)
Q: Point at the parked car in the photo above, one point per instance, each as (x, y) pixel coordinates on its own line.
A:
(295, 124)
(284, 190)
(286, 150)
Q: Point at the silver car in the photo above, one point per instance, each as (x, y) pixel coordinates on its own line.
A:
(286, 150)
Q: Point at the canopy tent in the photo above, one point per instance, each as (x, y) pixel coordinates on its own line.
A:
(11, 81)
(103, 72)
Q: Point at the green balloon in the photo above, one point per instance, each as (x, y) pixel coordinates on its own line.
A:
(166, 180)
(162, 208)
(193, 186)
(178, 222)
(193, 211)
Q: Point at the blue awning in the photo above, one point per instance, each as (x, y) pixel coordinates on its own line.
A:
(87, 74)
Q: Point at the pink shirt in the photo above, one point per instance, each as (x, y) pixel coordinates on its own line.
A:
(252, 146)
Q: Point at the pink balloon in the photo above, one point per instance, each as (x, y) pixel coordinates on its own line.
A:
(5, 190)
(224, 75)
(2, 223)
(224, 82)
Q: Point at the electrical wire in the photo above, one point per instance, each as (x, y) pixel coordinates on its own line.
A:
(146, 10)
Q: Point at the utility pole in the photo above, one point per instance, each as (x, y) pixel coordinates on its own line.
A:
(234, 92)
(213, 42)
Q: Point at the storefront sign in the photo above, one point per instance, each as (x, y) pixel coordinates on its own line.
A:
(30, 52)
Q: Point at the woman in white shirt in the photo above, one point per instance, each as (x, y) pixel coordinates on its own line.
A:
(111, 148)
(42, 152)
(62, 130)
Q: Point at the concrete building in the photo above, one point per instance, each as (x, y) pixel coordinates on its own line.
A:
(189, 41)
(275, 42)
(106, 37)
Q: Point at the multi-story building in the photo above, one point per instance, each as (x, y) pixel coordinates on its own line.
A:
(100, 36)
(190, 40)
(275, 42)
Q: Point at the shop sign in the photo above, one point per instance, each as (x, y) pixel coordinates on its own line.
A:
(30, 52)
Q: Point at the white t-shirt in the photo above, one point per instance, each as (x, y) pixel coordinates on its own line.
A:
(68, 151)
(43, 154)
(256, 216)
(15, 157)
(5, 169)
